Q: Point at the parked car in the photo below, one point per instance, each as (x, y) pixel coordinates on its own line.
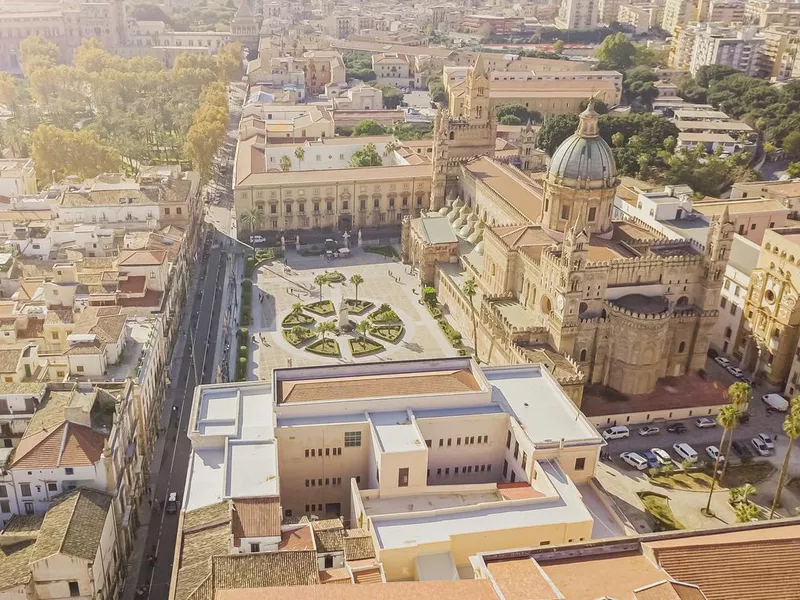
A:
(652, 459)
(713, 453)
(172, 503)
(722, 361)
(635, 460)
(661, 456)
(617, 432)
(741, 450)
(735, 371)
(647, 430)
(747, 380)
(776, 401)
(677, 428)
(759, 446)
(744, 417)
(705, 423)
(685, 451)
(767, 439)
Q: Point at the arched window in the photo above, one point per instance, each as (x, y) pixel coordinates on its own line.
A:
(728, 332)
(583, 355)
(682, 347)
(452, 135)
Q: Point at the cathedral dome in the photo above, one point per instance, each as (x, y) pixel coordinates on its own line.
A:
(584, 160)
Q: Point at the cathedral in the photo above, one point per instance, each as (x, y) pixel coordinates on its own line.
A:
(561, 282)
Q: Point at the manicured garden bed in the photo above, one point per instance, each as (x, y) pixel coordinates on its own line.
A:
(297, 335)
(384, 314)
(324, 347)
(359, 307)
(323, 308)
(333, 276)
(297, 318)
(387, 251)
(245, 317)
(453, 335)
(657, 506)
(388, 333)
(362, 347)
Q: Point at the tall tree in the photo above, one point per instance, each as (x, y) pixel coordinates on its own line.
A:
(470, 289)
(616, 52)
(356, 280)
(325, 327)
(300, 154)
(320, 280)
(286, 163)
(36, 52)
(791, 427)
(229, 62)
(58, 152)
(727, 418)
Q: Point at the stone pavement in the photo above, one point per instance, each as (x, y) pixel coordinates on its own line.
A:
(384, 281)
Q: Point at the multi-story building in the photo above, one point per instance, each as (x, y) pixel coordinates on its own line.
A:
(739, 49)
(682, 46)
(283, 123)
(726, 11)
(577, 14)
(607, 11)
(393, 69)
(780, 50)
(639, 16)
(309, 73)
(677, 13)
(786, 192)
(497, 24)
(17, 177)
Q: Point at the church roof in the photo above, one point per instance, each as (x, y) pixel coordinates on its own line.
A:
(585, 157)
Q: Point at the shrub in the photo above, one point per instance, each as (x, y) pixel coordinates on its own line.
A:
(387, 251)
(325, 347)
(385, 316)
(323, 308)
(359, 307)
(363, 347)
(453, 335)
(389, 333)
(429, 294)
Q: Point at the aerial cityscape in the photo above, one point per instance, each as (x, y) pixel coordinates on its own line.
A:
(476, 300)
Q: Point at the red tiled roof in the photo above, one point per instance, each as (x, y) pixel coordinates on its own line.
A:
(368, 576)
(298, 539)
(256, 517)
(133, 285)
(469, 589)
(151, 298)
(68, 445)
(138, 258)
(334, 576)
(517, 491)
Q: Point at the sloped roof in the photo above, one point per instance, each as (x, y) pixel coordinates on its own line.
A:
(73, 526)
(139, 258)
(14, 564)
(358, 545)
(265, 569)
(68, 445)
(256, 517)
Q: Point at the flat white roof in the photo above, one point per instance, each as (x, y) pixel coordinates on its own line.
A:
(437, 526)
(396, 432)
(252, 469)
(540, 405)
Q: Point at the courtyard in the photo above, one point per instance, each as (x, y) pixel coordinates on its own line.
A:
(287, 311)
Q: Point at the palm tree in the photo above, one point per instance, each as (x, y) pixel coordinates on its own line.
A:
(390, 147)
(470, 288)
(746, 512)
(739, 394)
(297, 307)
(286, 163)
(356, 280)
(320, 281)
(728, 418)
(251, 218)
(745, 491)
(299, 154)
(324, 328)
(791, 427)
(363, 328)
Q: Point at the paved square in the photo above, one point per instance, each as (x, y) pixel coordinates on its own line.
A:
(384, 281)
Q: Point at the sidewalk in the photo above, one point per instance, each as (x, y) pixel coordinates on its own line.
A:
(145, 510)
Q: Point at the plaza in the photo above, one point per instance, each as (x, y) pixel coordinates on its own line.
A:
(385, 281)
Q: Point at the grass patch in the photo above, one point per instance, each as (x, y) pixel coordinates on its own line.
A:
(684, 481)
(298, 335)
(388, 333)
(753, 472)
(657, 506)
(333, 277)
(326, 347)
(384, 314)
(359, 307)
(297, 318)
(323, 308)
(362, 347)
(387, 251)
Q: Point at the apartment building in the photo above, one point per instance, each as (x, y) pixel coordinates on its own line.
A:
(443, 435)
(726, 11)
(739, 49)
(497, 24)
(308, 74)
(677, 13)
(281, 123)
(577, 14)
(786, 192)
(17, 177)
(393, 69)
(639, 16)
(322, 191)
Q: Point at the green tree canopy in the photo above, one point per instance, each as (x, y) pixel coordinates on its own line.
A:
(639, 87)
(36, 52)
(391, 96)
(61, 152)
(368, 127)
(366, 157)
(616, 52)
(510, 120)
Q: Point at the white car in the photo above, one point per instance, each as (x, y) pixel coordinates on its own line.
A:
(722, 361)
(759, 446)
(735, 371)
(685, 451)
(767, 439)
(661, 456)
(705, 423)
(647, 430)
(637, 461)
(617, 432)
(713, 453)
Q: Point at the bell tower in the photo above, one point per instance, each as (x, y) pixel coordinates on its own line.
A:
(718, 251)
(476, 105)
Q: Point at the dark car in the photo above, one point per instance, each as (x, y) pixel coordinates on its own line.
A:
(677, 428)
(172, 503)
(741, 450)
(744, 417)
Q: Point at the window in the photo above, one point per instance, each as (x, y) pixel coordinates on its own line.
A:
(52, 487)
(5, 506)
(565, 212)
(307, 483)
(69, 471)
(733, 309)
(307, 453)
(287, 512)
(524, 460)
(3, 492)
(79, 368)
(580, 464)
(352, 439)
(516, 449)
(458, 441)
(441, 442)
(74, 590)
(376, 203)
(273, 208)
(28, 508)
(505, 468)
(329, 206)
(728, 332)
(681, 347)
(428, 443)
(592, 214)
(449, 441)
(455, 471)
(25, 489)
(508, 440)
(255, 547)
(345, 205)
(723, 302)
(54, 335)
(166, 211)
(402, 477)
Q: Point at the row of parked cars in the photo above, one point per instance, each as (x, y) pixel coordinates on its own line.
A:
(621, 431)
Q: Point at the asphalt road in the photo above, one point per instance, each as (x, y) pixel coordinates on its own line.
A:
(198, 354)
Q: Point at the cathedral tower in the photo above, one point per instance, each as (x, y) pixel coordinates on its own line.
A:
(718, 251)
(581, 181)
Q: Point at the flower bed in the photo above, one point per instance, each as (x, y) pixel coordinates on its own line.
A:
(297, 335)
(323, 308)
(384, 314)
(359, 307)
(389, 333)
(297, 318)
(362, 347)
(325, 347)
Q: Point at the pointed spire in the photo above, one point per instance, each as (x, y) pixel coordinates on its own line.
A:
(479, 69)
(726, 215)
(243, 10)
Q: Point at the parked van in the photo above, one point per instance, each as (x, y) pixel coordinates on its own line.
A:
(617, 432)
(776, 401)
(685, 451)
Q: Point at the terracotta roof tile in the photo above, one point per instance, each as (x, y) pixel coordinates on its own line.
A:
(523, 196)
(669, 590)
(297, 539)
(207, 515)
(335, 576)
(69, 445)
(368, 576)
(137, 258)
(358, 545)
(256, 517)
(471, 589)
(265, 570)
(329, 540)
(14, 564)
